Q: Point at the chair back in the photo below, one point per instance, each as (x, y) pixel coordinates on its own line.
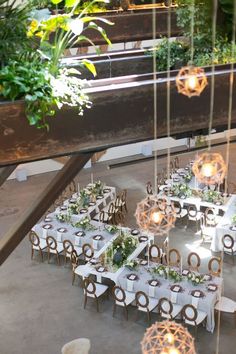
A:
(123, 196)
(89, 286)
(149, 188)
(34, 238)
(192, 211)
(68, 247)
(189, 313)
(87, 251)
(228, 242)
(51, 243)
(74, 258)
(102, 216)
(117, 202)
(174, 257)
(118, 294)
(215, 261)
(210, 216)
(154, 253)
(165, 307)
(194, 261)
(111, 209)
(178, 208)
(142, 299)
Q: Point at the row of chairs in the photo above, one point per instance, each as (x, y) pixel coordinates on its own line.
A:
(114, 213)
(173, 258)
(165, 307)
(65, 248)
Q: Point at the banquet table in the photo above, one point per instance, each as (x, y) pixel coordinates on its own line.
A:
(224, 226)
(69, 234)
(92, 210)
(206, 303)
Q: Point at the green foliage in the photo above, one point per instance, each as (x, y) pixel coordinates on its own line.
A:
(227, 7)
(29, 78)
(121, 249)
(13, 28)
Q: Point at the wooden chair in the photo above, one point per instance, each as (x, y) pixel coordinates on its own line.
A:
(119, 214)
(93, 290)
(229, 245)
(37, 244)
(155, 254)
(193, 215)
(145, 303)
(149, 188)
(74, 264)
(207, 232)
(224, 304)
(174, 253)
(179, 211)
(123, 200)
(192, 316)
(167, 309)
(210, 217)
(218, 262)
(68, 249)
(54, 247)
(122, 298)
(87, 251)
(194, 261)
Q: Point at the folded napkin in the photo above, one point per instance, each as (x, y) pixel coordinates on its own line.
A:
(95, 244)
(174, 296)
(59, 236)
(185, 272)
(130, 284)
(212, 287)
(151, 291)
(77, 240)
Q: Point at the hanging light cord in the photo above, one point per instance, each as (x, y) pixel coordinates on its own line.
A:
(231, 87)
(154, 94)
(212, 95)
(192, 32)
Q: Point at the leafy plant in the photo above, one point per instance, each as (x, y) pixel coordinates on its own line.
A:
(84, 224)
(196, 279)
(120, 249)
(212, 196)
(13, 28)
(63, 217)
(181, 189)
(233, 219)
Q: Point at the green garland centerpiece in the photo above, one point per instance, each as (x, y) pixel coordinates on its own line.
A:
(212, 196)
(97, 188)
(181, 189)
(84, 224)
(196, 279)
(112, 229)
(121, 248)
(132, 265)
(167, 273)
(63, 217)
(187, 178)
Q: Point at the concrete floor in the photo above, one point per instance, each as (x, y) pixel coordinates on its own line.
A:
(40, 310)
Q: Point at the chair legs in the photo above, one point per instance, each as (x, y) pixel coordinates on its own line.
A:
(41, 254)
(97, 304)
(49, 255)
(32, 253)
(114, 310)
(58, 259)
(73, 277)
(85, 300)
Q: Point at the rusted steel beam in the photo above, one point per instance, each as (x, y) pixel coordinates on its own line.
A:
(122, 113)
(135, 25)
(23, 225)
(5, 172)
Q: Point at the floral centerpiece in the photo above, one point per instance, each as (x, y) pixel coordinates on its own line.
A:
(181, 189)
(212, 196)
(121, 248)
(84, 198)
(84, 224)
(132, 265)
(63, 217)
(73, 209)
(112, 229)
(187, 178)
(196, 279)
(97, 188)
(170, 273)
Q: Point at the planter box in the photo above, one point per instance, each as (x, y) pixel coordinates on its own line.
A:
(122, 113)
(127, 26)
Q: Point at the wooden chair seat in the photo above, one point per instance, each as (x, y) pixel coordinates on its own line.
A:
(99, 291)
(168, 309)
(201, 315)
(59, 248)
(42, 245)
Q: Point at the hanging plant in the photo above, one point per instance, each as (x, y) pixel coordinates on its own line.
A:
(44, 82)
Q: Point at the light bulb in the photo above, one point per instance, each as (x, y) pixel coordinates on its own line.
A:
(156, 216)
(192, 82)
(169, 337)
(208, 170)
(174, 351)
